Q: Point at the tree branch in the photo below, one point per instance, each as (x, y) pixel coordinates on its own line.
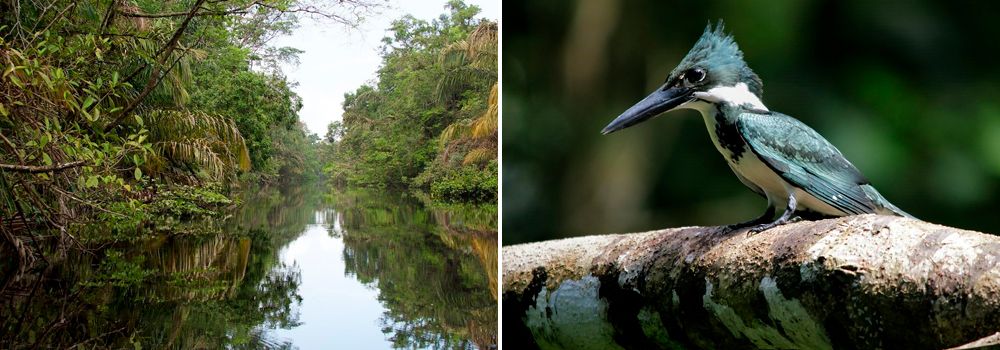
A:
(855, 282)
(179, 14)
(154, 75)
(32, 169)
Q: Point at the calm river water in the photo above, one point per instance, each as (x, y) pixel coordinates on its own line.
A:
(296, 267)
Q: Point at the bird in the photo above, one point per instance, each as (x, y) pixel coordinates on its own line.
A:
(799, 172)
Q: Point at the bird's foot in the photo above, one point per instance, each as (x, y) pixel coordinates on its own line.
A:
(752, 224)
(755, 229)
(758, 222)
(762, 227)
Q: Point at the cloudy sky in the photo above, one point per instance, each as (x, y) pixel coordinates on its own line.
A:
(338, 59)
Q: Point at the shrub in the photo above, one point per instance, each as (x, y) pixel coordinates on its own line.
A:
(467, 183)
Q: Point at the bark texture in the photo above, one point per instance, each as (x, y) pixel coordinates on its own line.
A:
(860, 282)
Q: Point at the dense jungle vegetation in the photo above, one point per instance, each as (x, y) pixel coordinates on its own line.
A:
(137, 138)
(430, 119)
(113, 112)
(107, 106)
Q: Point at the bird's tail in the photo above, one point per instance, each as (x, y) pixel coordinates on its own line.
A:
(882, 205)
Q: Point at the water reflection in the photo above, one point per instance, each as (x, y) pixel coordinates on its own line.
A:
(435, 269)
(427, 272)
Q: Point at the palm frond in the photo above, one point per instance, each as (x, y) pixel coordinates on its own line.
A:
(486, 125)
(481, 46)
(212, 143)
(452, 132)
(479, 155)
(195, 152)
(484, 35)
(472, 59)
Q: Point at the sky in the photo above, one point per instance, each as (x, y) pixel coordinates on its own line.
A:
(338, 59)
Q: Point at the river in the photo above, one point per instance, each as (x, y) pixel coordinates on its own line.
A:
(294, 267)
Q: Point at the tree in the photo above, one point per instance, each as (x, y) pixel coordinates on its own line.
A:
(436, 78)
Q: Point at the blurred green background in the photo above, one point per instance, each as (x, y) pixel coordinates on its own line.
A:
(907, 90)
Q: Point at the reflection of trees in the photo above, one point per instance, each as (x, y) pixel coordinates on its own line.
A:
(183, 292)
(435, 268)
(270, 219)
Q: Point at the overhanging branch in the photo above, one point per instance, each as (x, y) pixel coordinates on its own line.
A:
(856, 282)
(32, 169)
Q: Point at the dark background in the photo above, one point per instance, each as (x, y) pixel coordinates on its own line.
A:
(907, 90)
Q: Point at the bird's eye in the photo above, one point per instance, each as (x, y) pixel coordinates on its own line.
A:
(694, 75)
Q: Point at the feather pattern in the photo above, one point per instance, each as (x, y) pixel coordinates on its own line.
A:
(805, 159)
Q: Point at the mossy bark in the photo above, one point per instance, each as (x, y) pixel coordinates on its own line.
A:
(855, 282)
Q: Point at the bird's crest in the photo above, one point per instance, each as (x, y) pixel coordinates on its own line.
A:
(718, 52)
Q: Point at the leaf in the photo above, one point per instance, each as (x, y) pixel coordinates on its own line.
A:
(46, 159)
(48, 82)
(138, 174)
(89, 101)
(16, 81)
(92, 181)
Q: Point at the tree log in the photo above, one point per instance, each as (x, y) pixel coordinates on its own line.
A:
(855, 282)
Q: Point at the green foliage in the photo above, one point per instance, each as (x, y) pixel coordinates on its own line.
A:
(259, 103)
(295, 154)
(119, 98)
(434, 74)
(188, 202)
(175, 210)
(117, 270)
(466, 184)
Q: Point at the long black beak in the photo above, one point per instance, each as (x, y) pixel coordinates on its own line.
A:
(659, 101)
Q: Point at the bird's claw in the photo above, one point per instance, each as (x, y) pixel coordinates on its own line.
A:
(760, 228)
(753, 229)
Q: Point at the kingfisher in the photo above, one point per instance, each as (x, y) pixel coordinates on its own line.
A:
(777, 156)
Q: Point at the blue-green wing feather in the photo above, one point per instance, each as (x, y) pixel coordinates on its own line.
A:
(806, 160)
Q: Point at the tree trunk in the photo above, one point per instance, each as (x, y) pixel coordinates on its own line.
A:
(855, 282)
